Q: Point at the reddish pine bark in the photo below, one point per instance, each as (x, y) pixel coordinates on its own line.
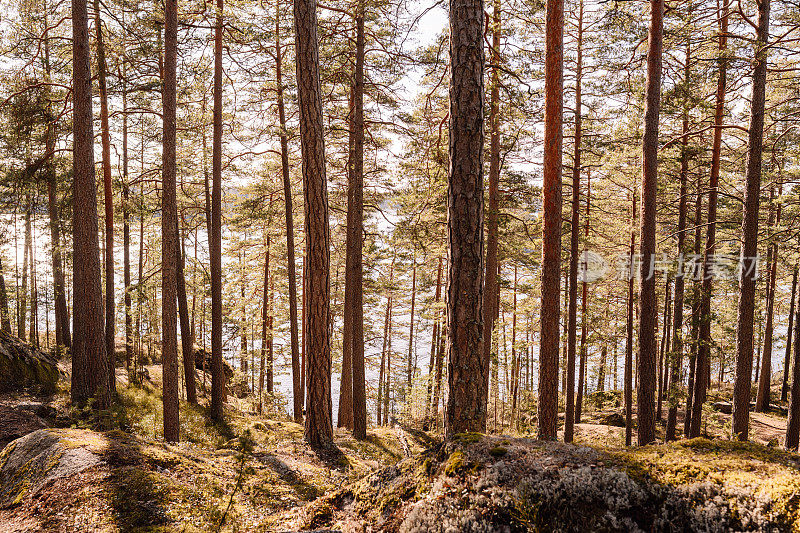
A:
(215, 239)
(89, 360)
(467, 368)
(648, 311)
(318, 427)
(551, 221)
(747, 281)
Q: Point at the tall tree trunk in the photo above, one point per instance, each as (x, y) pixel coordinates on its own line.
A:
(572, 300)
(675, 358)
(140, 266)
(297, 395)
(353, 336)
(763, 396)
(318, 428)
(215, 239)
(126, 222)
(89, 360)
(108, 196)
(356, 231)
(60, 301)
(648, 312)
(169, 229)
(491, 312)
(744, 323)
(467, 367)
(551, 220)
(788, 354)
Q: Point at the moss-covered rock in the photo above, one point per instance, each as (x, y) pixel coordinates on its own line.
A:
(30, 462)
(25, 367)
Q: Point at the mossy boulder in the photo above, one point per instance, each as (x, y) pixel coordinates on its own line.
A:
(24, 367)
(29, 463)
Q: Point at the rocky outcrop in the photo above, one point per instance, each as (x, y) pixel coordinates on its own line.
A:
(23, 367)
(29, 463)
(479, 483)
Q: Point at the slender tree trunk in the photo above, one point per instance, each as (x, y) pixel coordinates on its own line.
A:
(793, 423)
(383, 391)
(675, 358)
(4, 312)
(628, 386)
(491, 311)
(648, 312)
(747, 281)
(297, 388)
(318, 428)
(105, 138)
(126, 223)
(663, 369)
(271, 339)
(788, 354)
(702, 362)
(696, 309)
(551, 220)
(410, 359)
(572, 305)
(60, 301)
(265, 318)
(382, 374)
(34, 330)
(434, 342)
(215, 239)
(437, 387)
(467, 369)
(352, 413)
(356, 230)
(89, 360)
(601, 369)
(514, 358)
(583, 352)
(763, 396)
(243, 320)
(169, 229)
(22, 312)
(387, 384)
(187, 332)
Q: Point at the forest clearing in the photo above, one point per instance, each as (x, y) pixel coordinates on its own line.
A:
(392, 265)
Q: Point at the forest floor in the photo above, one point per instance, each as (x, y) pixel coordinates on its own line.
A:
(254, 473)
